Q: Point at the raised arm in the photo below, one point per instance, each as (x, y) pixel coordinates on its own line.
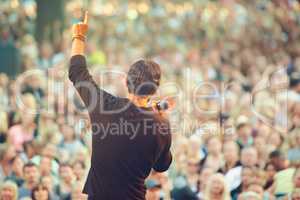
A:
(88, 90)
(78, 72)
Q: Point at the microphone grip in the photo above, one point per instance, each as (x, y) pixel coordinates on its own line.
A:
(162, 105)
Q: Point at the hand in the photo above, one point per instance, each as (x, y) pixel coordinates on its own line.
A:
(80, 29)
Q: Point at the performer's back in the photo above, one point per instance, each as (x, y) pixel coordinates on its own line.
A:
(127, 141)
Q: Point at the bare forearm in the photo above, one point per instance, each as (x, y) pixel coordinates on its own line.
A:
(78, 47)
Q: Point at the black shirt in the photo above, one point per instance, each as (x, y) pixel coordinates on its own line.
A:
(127, 141)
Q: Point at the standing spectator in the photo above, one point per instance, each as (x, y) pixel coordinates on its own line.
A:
(45, 58)
(296, 178)
(243, 129)
(153, 190)
(231, 156)
(293, 153)
(7, 153)
(270, 173)
(9, 54)
(79, 169)
(46, 168)
(67, 180)
(283, 179)
(48, 182)
(295, 194)
(249, 157)
(77, 192)
(69, 143)
(16, 174)
(216, 188)
(40, 192)
(205, 173)
(8, 191)
(29, 150)
(31, 177)
(24, 132)
(246, 178)
(214, 156)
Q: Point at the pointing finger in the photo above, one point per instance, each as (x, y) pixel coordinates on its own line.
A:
(85, 20)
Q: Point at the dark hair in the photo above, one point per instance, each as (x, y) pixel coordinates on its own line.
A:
(29, 164)
(38, 187)
(28, 144)
(294, 79)
(143, 77)
(276, 154)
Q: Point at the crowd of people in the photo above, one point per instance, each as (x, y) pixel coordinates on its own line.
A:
(232, 67)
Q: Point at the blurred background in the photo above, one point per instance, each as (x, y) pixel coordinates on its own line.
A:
(232, 66)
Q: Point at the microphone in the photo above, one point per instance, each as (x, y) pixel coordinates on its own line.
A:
(162, 105)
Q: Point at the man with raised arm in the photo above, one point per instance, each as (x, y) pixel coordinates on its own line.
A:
(129, 137)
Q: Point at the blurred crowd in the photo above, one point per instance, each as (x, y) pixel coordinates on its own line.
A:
(231, 66)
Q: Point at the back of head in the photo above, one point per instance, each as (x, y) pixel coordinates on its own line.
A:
(143, 78)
